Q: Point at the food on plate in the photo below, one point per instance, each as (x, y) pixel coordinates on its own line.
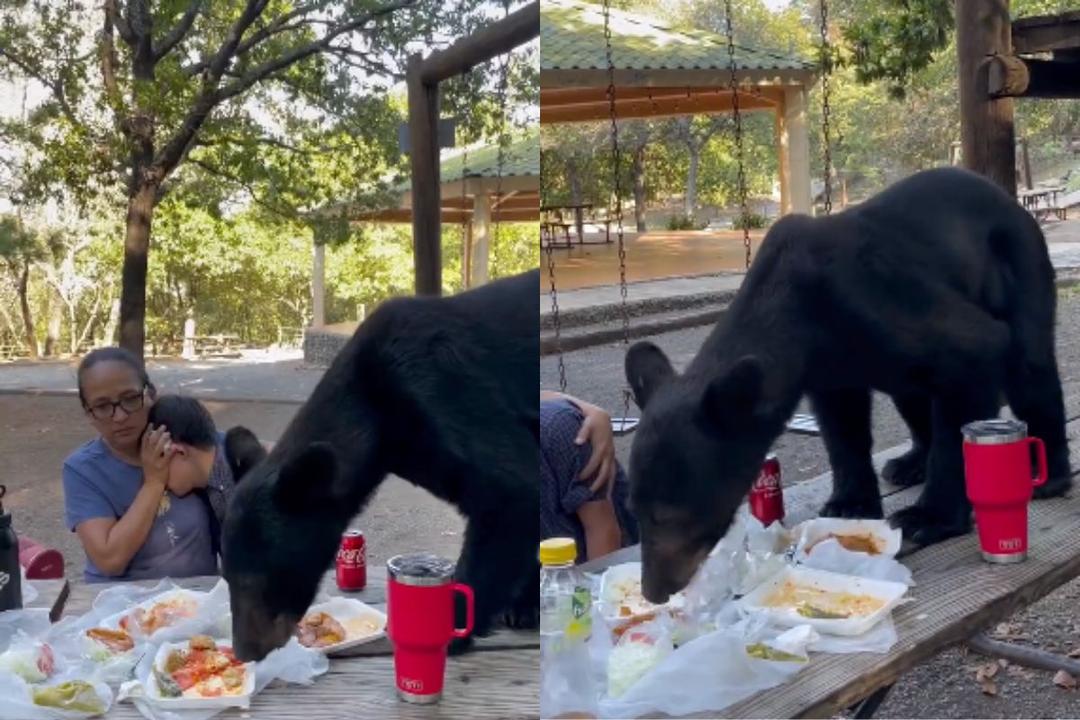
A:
(767, 652)
(161, 614)
(814, 602)
(636, 654)
(203, 670)
(73, 696)
(319, 630)
(116, 641)
(864, 542)
(625, 596)
(363, 625)
(32, 661)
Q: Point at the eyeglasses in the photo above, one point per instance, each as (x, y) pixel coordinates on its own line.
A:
(106, 409)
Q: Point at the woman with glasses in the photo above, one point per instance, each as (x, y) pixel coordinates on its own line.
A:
(115, 486)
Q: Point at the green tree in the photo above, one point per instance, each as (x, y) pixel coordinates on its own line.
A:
(20, 248)
(137, 87)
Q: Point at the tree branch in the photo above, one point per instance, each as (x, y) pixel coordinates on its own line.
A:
(113, 15)
(56, 86)
(297, 54)
(178, 33)
(218, 172)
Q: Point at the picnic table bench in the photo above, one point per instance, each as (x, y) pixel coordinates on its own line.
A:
(1042, 202)
(220, 345)
(498, 679)
(956, 595)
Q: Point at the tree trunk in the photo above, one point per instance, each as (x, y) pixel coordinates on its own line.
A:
(114, 320)
(24, 306)
(55, 326)
(133, 288)
(691, 180)
(639, 188)
(575, 198)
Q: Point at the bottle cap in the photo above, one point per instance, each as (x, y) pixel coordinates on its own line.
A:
(558, 551)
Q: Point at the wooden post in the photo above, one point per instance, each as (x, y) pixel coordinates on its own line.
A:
(318, 285)
(783, 151)
(481, 235)
(983, 29)
(467, 253)
(424, 156)
(798, 148)
(1027, 162)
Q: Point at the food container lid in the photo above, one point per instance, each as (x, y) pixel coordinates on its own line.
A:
(558, 551)
(996, 431)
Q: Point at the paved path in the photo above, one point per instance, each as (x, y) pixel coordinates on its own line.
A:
(1063, 239)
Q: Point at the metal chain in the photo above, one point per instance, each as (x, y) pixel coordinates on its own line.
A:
(504, 75)
(554, 294)
(739, 156)
(616, 161)
(826, 69)
(466, 218)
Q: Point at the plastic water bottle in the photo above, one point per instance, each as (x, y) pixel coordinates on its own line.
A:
(565, 627)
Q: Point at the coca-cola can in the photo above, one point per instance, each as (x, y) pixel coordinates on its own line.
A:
(352, 562)
(767, 494)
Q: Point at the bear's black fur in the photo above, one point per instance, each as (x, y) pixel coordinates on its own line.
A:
(441, 392)
(938, 292)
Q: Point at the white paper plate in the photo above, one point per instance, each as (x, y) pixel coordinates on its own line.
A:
(889, 592)
(243, 700)
(812, 531)
(614, 579)
(113, 621)
(350, 612)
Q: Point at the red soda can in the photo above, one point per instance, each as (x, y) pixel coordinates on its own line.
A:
(766, 494)
(352, 562)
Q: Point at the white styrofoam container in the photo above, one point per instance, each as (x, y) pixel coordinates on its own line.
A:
(347, 611)
(811, 531)
(609, 598)
(889, 592)
(113, 621)
(243, 700)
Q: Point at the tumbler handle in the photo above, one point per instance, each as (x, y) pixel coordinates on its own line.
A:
(469, 609)
(1040, 454)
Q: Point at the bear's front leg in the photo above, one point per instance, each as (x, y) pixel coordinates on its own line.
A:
(910, 468)
(844, 418)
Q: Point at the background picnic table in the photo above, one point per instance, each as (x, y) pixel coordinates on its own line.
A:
(500, 678)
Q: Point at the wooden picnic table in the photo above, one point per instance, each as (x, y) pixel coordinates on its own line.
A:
(956, 595)
(1043, 201)
(499, 678)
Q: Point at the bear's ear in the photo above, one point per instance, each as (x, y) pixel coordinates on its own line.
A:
(308, 481)
(647, 368)
(243, 451)
(732, 398)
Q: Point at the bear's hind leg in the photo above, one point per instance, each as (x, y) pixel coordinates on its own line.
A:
(498, 561)
(844, 418)
(910, 468)
(943, 510)
(1034, 394)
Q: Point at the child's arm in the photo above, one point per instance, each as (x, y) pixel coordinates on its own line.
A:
(602, 532)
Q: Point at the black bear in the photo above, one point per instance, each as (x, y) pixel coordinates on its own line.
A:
(441, 392)
(938, 292)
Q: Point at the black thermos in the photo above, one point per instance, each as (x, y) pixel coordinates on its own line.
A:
(10, 573)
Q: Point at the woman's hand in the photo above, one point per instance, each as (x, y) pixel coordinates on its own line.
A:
(155, 453)
(596, 430)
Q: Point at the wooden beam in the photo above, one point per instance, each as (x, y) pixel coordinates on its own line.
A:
(986, 124)
(707, 78)
(481, 247)
(559, 97)
(1046, 32)
(501, 37)
(696, 103)
(797, 123)
(318, 285)
(424, 158)
(783, 164)
(1011, 76)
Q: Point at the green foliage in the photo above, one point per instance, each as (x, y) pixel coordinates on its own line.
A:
(681, 222)
(751, 220)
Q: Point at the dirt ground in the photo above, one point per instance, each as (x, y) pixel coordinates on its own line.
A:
(38, 432)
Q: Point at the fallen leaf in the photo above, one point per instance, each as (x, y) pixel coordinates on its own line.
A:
(1017, 671)
(989, 688)
(1074, 653)
(1003, 662)
(1064, 680)
(987, 671)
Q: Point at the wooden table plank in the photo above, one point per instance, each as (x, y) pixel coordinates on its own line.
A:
(478, 685)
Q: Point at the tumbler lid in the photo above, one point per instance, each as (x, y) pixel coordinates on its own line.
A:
(420, 569)
(996, 431)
